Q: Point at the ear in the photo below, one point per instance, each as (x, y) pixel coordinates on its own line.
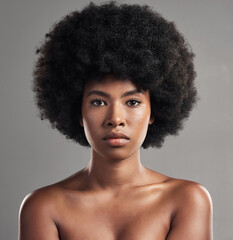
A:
(151, 120)
(81, 122)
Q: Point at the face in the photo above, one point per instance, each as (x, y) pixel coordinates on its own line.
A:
(115, 117)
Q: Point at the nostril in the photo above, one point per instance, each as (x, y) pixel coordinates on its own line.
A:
(115, 123)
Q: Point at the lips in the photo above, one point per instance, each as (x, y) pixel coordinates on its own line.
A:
(113, 135)
(114, 139)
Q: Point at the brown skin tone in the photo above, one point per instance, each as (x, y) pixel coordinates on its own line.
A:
(115, 197)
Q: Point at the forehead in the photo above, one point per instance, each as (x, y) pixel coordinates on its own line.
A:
(110, 84)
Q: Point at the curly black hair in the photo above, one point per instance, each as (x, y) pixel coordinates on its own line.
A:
(129, 41)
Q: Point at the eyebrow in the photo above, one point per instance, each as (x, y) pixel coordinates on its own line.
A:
(104, 94)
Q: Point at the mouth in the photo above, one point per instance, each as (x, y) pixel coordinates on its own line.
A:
(116, 139)
(117, 142)
(114, 135)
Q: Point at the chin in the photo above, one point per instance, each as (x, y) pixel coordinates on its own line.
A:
(116, 153)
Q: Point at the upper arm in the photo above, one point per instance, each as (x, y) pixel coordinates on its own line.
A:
(35, 219)
(193, 216)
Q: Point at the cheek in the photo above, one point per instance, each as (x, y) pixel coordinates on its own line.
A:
(140, 117)
(139, 124)
(92, 122)
(89, 115)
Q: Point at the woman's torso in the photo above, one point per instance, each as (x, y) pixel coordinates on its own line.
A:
(138, 213)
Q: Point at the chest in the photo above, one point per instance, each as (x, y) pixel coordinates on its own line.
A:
(116, 220)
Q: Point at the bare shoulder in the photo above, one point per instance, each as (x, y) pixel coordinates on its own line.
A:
(181, 191)
(191, 216)
(41, 200)
(37, 214)
(50, 197)
(185, 191)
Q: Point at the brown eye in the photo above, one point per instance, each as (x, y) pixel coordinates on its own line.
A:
(133, 103)
(97, 102)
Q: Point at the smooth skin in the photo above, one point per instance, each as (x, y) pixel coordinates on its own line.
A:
(115, 197)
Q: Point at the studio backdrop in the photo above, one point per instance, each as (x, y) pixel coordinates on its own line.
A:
(33, 155)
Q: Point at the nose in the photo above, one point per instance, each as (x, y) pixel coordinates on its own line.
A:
(115, 116)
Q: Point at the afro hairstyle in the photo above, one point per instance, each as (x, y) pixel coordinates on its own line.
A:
(131, 42)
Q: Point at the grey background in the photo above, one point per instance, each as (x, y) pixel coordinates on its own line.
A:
(33, 155)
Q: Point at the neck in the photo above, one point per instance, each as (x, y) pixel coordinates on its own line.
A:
(112, 174)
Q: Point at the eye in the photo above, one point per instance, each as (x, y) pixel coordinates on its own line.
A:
(97, 102)
(133, 102)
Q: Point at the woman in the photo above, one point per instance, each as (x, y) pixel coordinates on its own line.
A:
(115, 78)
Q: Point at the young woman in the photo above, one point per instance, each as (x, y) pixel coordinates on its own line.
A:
(116, 78)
